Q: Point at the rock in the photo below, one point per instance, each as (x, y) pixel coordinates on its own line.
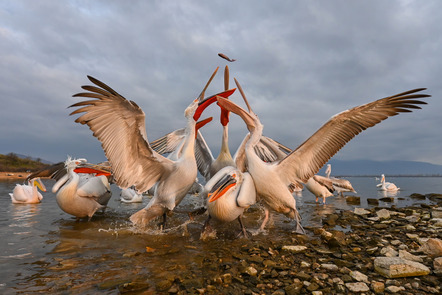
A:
(294, 249)
(417, 196)
(251, 271)
(353, 200)
(396, 267)
(389, 252)
(408, 256)
(436, 213)
(357, 287)
(358, 276)
(383, 214)
(437, 266)
(432, 247)
(361, 211)
(378, 287)
(387, 199)
(330, 267)
(395, 289)
(373, 202)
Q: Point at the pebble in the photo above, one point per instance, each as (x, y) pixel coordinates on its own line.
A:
(357, 287)
(395, 267)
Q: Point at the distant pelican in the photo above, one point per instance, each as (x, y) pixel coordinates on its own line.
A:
(320, 186)
(272, 180)
(339, 184)
(28, 193)
(387, 186)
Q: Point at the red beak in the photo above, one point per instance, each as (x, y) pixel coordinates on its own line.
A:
(208, 101)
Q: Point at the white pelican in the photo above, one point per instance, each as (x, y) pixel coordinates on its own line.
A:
(340, 185)
(272, 180)
(387, 186)
(129, 195)
(81, 195)
(320, 186)
(119, 125)
(230, 192)
(28, 193)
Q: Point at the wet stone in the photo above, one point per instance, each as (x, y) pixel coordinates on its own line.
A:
(373, 202)
(353, 200)
(395, 267)
(357, 287)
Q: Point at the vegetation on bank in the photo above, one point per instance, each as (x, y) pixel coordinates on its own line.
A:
(13, 163)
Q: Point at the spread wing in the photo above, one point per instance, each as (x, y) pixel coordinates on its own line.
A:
(119, 125)
(309, 157)
(55, 171)
(169, 142)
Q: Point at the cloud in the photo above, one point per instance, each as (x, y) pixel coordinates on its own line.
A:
(298, 62)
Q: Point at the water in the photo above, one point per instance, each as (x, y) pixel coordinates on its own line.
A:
(45, 250)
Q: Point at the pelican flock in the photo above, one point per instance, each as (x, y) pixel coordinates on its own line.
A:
(261, 171)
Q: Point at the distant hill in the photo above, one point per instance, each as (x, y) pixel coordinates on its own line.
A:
(17, 163)
(376, 168)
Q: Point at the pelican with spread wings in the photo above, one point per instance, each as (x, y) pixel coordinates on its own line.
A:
(272, 180)
(119, 124)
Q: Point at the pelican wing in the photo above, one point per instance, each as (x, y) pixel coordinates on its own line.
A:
(267, 149)
(203, 156)
(324, 181)
(309, 157)
(55, 171)
(169, 142)
(119, 124)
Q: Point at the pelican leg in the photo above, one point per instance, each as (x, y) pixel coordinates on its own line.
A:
(299, 229)
(323, 200)
(206, 226)
(162, 224)
(142, 217)
(317, 199)
(243, 231)
(266, 219)
(197, 212)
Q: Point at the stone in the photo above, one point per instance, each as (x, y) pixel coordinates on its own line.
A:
(378, 287)
(330, 267)
(437, 266)
(436, 213)
(361, 211)
(294, 249)
(251, 271)
(357, 287)
(395, 289)
(358, 276)
(383, 214)
(374, 202)
(432, 247)
(353, 200)
(396, 267)
(389, 252)
(408, 256)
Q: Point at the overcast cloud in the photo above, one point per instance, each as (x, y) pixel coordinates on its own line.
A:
(299, 62)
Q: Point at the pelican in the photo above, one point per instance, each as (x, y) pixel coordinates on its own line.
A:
(230, 192)
(272, 180)
(387, 186)
(28, 193)
(340, 185)
(320, 186)
(81, 196)
(129, 195)
(119, 125)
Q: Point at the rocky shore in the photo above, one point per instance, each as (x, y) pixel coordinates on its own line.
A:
(364, 251)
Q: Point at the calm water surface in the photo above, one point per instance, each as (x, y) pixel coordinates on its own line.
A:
(43, 249)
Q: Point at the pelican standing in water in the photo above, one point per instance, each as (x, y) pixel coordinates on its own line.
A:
(387, 186)
(320, 186)
(28, 193)
(339, 184)
(119, 125)
(272, 180)
(81, 195)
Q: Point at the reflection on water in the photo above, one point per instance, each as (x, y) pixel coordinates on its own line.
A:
(45, 250)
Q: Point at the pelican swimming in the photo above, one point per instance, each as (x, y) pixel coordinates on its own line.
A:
(129, 195)
(340, 185)
(81, 195)
(387, 186)
(28, 193)
(272, 180)
(119, 125)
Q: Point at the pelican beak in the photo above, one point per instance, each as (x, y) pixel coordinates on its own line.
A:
(233, 107)
(91, 171)
(40, 185)
(201, 123)
(202, 105)
(221, 187)
(224, 118)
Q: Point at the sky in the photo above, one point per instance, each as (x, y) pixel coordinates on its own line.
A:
(299, 63)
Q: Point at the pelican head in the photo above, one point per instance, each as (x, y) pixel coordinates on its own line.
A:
(223, 185)
(38, 183)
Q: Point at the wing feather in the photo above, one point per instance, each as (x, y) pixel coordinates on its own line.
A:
(119, 124)
(309, 157)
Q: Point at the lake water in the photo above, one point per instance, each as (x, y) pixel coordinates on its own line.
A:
(43, 249)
